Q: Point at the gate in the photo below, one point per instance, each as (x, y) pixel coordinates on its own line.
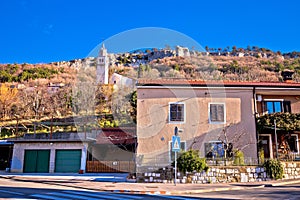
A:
(110, 166)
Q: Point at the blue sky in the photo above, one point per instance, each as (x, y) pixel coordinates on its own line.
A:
(42, 31)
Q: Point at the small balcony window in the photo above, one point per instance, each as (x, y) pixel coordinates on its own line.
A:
(276, 106)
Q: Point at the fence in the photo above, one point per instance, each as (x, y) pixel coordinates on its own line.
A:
(234, 161)
(110, 166)
(248, 161)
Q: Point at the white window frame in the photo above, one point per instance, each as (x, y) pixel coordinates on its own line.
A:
(270, 144)
(170, 149)
(272, 100)
(184, 113)
(209, 119)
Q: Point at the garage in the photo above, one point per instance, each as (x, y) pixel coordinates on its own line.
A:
(36, 161)
(67, 160)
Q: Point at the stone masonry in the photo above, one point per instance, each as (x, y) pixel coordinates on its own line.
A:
(220, 174)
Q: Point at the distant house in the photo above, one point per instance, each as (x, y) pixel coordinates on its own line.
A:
(54, 87)
(202, 111)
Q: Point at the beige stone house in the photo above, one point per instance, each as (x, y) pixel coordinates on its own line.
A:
(208, 114)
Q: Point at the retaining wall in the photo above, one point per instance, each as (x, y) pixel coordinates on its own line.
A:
(220, 174)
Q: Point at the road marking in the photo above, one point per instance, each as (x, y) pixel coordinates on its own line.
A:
(70, 195)
(47, 197)
(172, 197)
(114, 196)
(85, 194)
(120, 195)
(10, 192)
(96, 194)
(24, 199)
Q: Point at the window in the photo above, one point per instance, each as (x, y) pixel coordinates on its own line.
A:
(172, 154)
(274, 106)
(216, 149)
(216, 113)
(176, 112)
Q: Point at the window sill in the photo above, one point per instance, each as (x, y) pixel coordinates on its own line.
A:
(176, 122)
(216, 122)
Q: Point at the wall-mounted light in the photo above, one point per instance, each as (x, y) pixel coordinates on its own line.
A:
(259, 98)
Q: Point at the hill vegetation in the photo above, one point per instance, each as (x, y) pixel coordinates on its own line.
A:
(35, 97)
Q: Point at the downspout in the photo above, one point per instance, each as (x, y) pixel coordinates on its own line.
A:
(255, 116)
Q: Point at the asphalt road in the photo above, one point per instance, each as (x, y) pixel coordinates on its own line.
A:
(10, 188)
(18, 189)
(285, 192)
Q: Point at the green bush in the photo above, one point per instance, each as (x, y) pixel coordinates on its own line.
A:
(261, 154)
(239, 158)
(190, 161)
(274, 168)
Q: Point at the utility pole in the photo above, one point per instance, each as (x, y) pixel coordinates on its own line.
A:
(175, 149)
(276, 147)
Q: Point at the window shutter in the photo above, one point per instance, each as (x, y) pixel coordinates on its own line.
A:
(287, 106)
(216, 112)
(220, 111)
(213, 112)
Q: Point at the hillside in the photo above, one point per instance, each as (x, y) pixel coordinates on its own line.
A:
(218, 67)
(46, 94)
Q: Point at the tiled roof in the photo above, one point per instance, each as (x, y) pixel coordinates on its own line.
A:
(126, 135)
(194, 83)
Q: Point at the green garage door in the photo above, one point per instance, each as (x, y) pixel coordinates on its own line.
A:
(67, 160)
(36, 161)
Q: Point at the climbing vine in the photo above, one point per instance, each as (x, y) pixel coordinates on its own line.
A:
(284, 121)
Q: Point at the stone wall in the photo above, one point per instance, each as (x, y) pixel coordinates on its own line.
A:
(220, 174)
(291, 170)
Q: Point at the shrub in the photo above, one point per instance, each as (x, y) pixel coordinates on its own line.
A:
(190, 161)
(274, 168)
(239, 158)
(261, 155)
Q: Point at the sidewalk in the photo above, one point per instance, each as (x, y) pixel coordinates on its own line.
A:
(89, 181)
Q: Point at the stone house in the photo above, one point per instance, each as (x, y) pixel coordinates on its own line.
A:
(208, 115)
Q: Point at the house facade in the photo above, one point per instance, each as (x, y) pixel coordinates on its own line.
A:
(212, 117)
(278, 100)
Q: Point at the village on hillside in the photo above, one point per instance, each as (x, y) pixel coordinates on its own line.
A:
(118, 112)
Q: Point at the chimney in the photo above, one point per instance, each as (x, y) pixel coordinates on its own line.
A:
(287, 76)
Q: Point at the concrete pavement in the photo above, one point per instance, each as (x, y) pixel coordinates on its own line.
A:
(113, 183)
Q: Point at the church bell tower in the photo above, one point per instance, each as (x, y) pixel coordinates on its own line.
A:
(102, 66)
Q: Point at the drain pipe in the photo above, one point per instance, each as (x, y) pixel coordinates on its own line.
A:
(255, 118)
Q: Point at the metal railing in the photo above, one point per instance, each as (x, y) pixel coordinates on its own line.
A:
(234, 161)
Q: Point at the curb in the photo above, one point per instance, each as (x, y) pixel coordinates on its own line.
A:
(282, 183)
(153, 192)
(216, 190)
(164, 192)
